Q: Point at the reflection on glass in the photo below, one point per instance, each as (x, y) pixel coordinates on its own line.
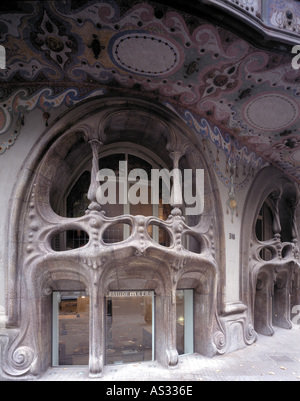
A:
(184, 322)
(129, 329)
(73, 328)
(180, 322)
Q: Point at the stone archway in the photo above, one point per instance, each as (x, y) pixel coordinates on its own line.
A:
(35, 268)
(268, 267)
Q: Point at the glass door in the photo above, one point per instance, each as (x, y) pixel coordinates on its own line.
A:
(70, 330)
(185, 321)
(129, 327)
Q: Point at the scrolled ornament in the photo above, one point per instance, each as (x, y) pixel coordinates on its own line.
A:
(22, 359)
(250, 334)
(220, 342)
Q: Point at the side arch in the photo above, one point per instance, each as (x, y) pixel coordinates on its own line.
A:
(258, 276)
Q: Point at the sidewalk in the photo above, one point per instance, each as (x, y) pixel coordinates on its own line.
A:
(270, 359)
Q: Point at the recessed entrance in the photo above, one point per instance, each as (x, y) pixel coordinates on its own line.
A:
(130, 327)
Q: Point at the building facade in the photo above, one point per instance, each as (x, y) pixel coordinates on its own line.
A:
(207, 91)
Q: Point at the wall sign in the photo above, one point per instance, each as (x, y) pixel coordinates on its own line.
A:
(118, 294)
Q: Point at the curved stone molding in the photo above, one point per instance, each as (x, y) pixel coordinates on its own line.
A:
(235, 332)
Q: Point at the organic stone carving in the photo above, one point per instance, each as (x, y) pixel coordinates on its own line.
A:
(98, 267)
(273, 263)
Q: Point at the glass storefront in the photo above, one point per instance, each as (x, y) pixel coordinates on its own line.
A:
(70, 328)
(130, 327)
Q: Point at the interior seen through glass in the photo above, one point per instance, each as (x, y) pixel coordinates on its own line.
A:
(185, 321)
(70, 328)
(130, 326)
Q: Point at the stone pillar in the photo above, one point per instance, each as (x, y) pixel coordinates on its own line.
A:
(97, 332)
(166, 352)
(294, 228)
(282, 301)
(263, 305)
(176, 196)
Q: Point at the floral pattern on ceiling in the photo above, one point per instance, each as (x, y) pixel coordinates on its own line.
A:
(13, 111)
(160, 54)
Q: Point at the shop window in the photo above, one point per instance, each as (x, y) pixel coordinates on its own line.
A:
(130, 327)
(70, 328)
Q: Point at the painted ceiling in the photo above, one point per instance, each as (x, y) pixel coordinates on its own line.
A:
(65, 51)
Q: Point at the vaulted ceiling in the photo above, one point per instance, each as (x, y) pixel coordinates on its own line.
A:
(147, 49)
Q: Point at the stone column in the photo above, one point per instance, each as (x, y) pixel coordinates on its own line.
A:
(166, 350)
(97, 331)
(176, 196)
(294, 226)
(263, 304)
(282, 300)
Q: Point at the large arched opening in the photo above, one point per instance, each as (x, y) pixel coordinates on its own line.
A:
(270, 251)
(159, 250)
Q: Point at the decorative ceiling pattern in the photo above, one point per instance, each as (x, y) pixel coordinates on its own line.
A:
(76, 49)
(15, 108)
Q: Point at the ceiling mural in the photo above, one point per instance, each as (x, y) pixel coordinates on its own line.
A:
(66, 51)
(14, 109)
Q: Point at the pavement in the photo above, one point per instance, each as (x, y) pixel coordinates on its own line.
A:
(274, 358)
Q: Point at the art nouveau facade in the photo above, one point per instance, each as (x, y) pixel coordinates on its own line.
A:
(90, 284)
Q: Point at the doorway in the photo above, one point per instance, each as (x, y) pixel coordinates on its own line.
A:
(185, 322)
(130, 327)
(70, 328)
(272, 302)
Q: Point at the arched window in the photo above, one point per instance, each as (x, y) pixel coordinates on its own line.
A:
(121, 165)
(264, 223)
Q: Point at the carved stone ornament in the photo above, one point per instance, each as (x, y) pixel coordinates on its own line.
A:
(35, 269)
(272, 263)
